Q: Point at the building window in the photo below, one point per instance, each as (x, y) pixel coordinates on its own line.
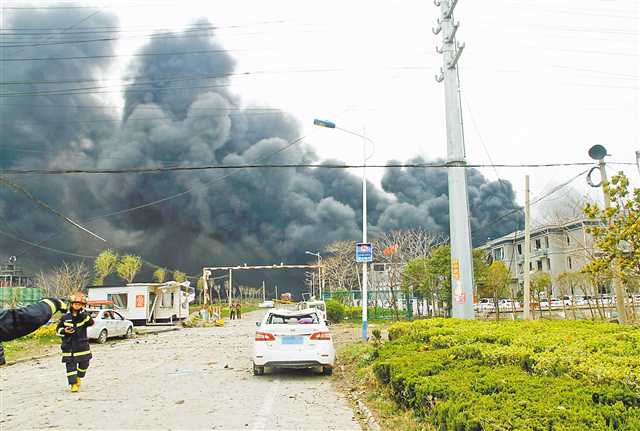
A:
(568, 240)
(498, 253)
(530, 266)
(569, 263)
(119, 299)
(546, 242)
(539, 264)
(378, 267)
(538, 244)
(520, 249)
(548, 264)
(166, 300)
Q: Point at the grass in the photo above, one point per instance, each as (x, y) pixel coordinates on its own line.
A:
(354, 373)
(40, 342)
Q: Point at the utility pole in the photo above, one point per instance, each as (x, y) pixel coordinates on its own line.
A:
(230, 288)
(276, 291)
(365, 274)
(598, 152)
(460, 230)
(617, 286)
(527, 250)
(264, 292)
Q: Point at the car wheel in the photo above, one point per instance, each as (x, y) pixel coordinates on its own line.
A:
(102, 338)
(129, 332)
(258, 370)
(327, 371)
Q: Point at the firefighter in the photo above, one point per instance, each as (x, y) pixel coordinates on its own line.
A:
(75, 344)
(18, 322)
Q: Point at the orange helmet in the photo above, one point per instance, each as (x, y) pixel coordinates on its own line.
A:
(78, 297)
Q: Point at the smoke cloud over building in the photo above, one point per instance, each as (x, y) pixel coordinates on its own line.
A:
(180, 109)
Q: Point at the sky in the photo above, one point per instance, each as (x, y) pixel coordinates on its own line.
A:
(540, 82)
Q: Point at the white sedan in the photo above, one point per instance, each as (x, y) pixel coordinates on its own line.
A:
(293, 339)
(108, 323)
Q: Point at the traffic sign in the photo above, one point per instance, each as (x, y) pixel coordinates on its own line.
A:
(364, 252)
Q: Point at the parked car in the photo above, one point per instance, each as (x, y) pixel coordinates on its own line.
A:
(486, 304)
(556, 303)
(108, 323)
(266, 304)
(293, 339)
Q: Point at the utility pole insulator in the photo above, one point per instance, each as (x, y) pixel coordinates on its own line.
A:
(436, 2)
(436, 30)
(440, 77)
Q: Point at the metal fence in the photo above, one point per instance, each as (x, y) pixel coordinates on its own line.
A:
(19, 296)
(383, 304)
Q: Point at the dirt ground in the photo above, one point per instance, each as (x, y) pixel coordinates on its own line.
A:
(197, 378)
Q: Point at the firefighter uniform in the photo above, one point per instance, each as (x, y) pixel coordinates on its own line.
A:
(16, 323)
(75, 346)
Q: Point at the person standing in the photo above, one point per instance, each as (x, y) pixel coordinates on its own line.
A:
(76, 352)
(232, 312)
(238, 311)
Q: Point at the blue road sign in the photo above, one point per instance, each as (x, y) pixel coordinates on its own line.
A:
(364, 252)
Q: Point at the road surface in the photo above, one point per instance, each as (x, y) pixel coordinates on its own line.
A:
(198, 378)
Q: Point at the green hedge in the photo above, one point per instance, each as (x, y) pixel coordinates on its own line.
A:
(337, 312)
(551, 375)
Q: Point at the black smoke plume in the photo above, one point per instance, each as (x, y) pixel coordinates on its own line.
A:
(181, 109)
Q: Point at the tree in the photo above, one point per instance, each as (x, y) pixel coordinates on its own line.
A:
(617, 236)
(63, 280)
(496, 282)
(104, 265)
(128, 267)
(179, 276)
(541, 281)
(160, 275)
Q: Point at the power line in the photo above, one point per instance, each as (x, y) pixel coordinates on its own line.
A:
(144, 170)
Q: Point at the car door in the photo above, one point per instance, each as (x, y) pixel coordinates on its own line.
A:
(119, 323)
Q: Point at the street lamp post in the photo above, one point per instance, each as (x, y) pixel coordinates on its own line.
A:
(319, 273)
(365, 278)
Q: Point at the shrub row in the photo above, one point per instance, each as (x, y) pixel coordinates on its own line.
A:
(565, 375)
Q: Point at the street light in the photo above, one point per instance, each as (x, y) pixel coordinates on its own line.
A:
(365, 278)
(319, 271)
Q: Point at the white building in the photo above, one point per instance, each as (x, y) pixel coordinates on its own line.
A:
(147, 303)
(555, 248)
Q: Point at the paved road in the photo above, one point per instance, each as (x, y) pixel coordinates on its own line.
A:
(196, 378)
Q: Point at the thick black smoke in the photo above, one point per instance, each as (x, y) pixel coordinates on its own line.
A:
(180, 109)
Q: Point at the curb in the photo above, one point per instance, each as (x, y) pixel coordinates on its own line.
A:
(364, 410)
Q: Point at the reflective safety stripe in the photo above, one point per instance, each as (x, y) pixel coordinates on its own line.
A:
(60, 332)
(51, 305)
(67, 354)
(81, 370)
(73, 373)
(68, 324)
(82, 353)
(84, 321)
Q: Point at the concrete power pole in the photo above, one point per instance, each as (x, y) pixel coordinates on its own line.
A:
(460, 231)
(527, 251)
(617, 285)
(264, 292)
(230, 288)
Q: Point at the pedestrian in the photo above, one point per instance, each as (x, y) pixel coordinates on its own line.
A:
(232, 311)
(72, 327)
(238, 311)
(18, 322)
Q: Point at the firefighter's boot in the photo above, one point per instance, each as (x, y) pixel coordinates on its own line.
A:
(75, 387)
(78, 381)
